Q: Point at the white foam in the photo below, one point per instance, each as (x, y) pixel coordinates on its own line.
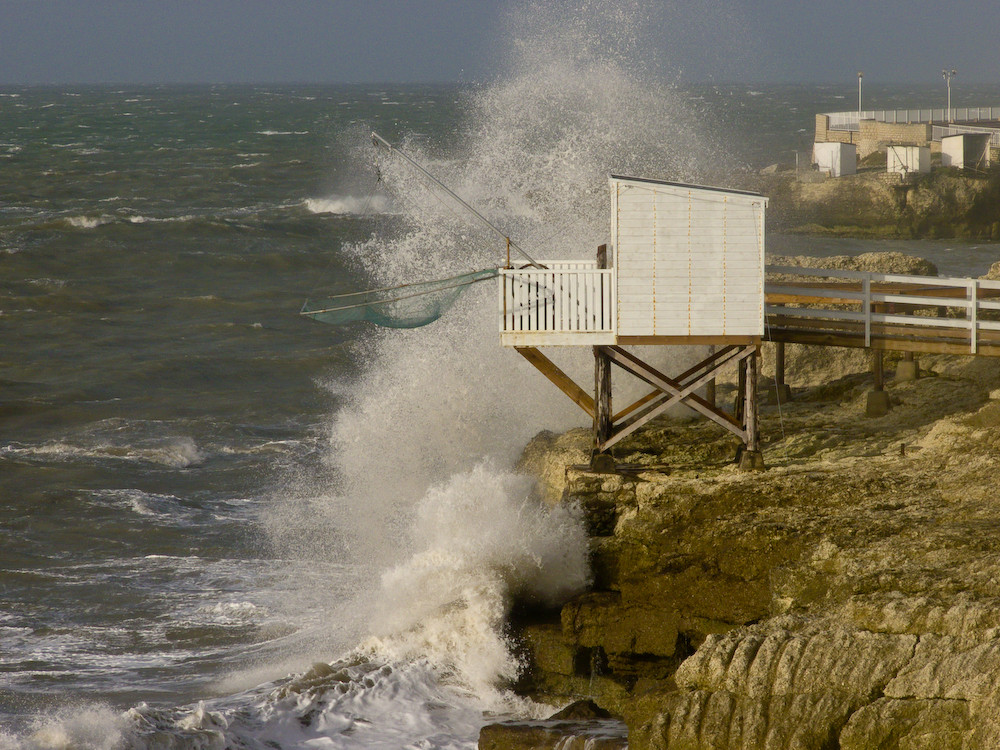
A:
(348, 204)
(88, 222)
(178, 453)
(479, 540)
(93, 726)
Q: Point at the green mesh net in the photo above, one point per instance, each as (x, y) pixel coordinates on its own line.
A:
(404, 306)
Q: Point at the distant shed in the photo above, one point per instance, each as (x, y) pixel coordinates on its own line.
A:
(689, 259)
(966, 150)
(908, 159)
(836, 159)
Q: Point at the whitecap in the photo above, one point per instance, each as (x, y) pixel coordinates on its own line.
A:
(95, 726)
(347, 204)
(88, 222)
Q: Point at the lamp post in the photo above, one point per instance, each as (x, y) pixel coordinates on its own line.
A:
(948, 75)
(860, 76)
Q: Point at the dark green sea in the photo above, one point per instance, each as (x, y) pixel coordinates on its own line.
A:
(202, 492)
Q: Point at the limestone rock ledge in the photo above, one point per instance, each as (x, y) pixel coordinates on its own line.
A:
(847, 597)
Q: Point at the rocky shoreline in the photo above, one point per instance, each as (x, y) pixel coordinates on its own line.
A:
(943, 204)
(847, 597)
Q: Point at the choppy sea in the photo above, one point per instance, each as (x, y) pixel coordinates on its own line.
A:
(224, 525)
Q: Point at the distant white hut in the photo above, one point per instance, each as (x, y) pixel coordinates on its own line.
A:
(836, 159)
(908, 159)
(966, 150)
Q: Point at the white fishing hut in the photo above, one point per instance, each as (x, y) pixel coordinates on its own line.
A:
(685, 267)
(908, 159)
(836, 159)
(966, 150)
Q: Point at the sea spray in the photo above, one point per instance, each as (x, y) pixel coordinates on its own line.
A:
(533, 155)
(418, 500)
(480, 539)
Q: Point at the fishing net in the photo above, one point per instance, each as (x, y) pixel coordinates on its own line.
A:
(404, 306)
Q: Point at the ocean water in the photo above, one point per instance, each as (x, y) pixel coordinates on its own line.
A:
(224, 525)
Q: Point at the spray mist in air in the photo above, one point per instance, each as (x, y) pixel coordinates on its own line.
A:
(421, 496)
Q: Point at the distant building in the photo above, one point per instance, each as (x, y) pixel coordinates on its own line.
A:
(836, 159)
(875, 130)
(908, 159)
(966, 150)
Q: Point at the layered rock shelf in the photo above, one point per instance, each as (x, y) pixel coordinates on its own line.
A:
(847, 597)
(944, 203)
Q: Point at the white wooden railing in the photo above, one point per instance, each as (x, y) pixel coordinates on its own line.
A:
(539, 306)
(849, 120)
(942, 131)
(875, 305)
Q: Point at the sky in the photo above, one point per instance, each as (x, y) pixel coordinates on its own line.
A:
(368, 41)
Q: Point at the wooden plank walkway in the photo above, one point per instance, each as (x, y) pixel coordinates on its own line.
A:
(924, 314)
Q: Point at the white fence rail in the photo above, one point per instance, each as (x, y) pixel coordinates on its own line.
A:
(940, 131)
(849, 120)
(557, 300)
(876, 304)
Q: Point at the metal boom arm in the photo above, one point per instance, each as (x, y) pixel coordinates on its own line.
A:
(379, 140)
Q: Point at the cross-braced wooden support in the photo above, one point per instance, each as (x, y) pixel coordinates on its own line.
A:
(610, 428)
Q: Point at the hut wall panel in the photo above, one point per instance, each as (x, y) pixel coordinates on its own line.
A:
(689, 260)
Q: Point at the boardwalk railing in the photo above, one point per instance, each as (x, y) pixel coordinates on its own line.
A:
(942, 131)
(885, 306)
(567, 300)
(849, 120)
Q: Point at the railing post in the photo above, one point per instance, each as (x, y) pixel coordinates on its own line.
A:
(974, 314)
(867, 286)
(602, 383)
(503, 302)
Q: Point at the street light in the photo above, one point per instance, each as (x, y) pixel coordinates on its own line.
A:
(948, 75)
(860, 76)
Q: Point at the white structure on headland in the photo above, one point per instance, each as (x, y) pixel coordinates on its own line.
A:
(686, 266)
(836, 159)
(966, 150)
(908, 159)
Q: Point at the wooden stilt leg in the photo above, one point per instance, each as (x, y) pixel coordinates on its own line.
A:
(878, 398)
(751, 408)
(602, 395)
(741, 393)
(782, 393)
(602, 409)
(779, 363)
(710, 386)
(751, 459)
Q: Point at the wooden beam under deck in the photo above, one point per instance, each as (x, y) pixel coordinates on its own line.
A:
(560, 379)
(671, 391)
